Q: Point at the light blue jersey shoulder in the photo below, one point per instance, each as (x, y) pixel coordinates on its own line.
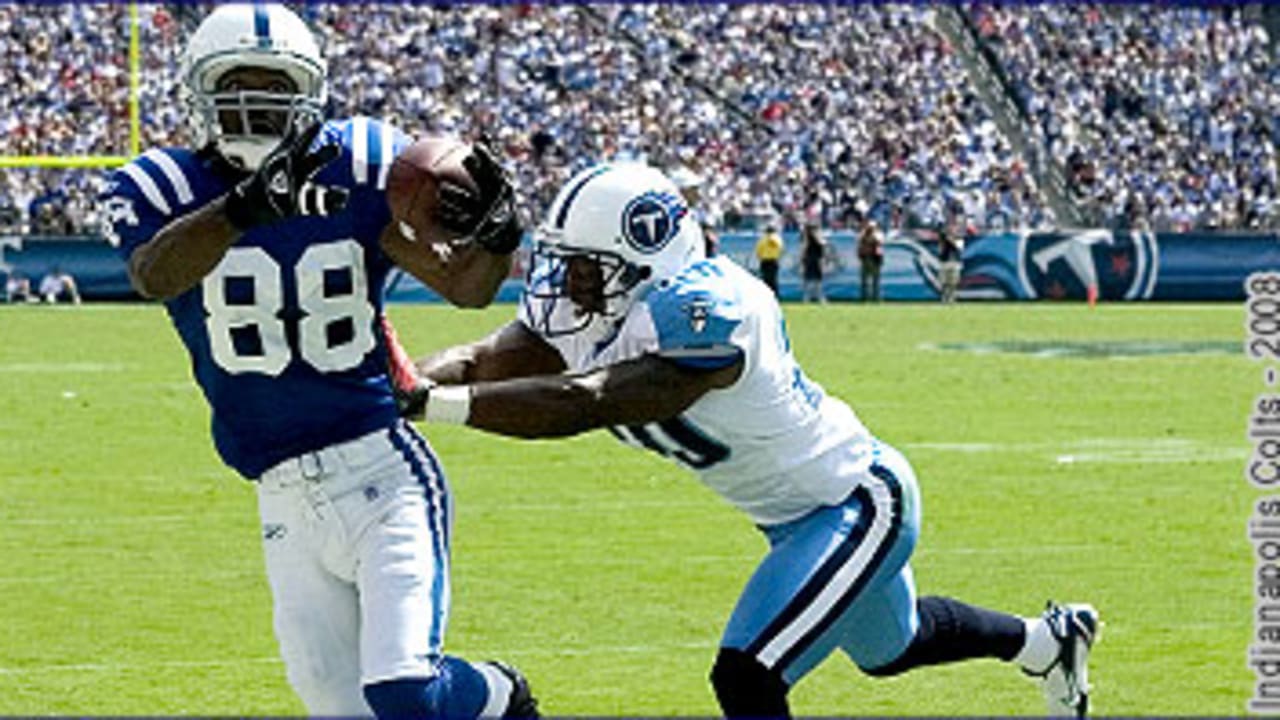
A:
(695, 314)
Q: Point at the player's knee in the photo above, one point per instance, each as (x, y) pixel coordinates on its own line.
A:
(404, 698)
(905, 660)
(896, 667)
(746, 688)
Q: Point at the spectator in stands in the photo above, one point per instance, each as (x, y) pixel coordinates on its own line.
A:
(1149, 100)
(690, 184)
(870, 258)
(1153, 112)
(814, 254)
(49, 220)
(769, 249)
(10, 216)
(58, 285)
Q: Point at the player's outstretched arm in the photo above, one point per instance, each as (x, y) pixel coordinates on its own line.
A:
(645, 389)
(511, 351)
(183, 252)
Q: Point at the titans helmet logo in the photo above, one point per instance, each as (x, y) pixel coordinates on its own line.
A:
(651, 220)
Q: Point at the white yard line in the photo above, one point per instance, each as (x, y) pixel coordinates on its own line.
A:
(65, 367)
(124, 667)
(115, 579)
(1011, 550)
(1113, 451)
(653, 649)
(194, 519)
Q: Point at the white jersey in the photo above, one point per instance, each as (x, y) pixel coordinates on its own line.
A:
(774, 444)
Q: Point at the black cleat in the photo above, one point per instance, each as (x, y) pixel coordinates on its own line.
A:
(520, 703)
(1066, 681)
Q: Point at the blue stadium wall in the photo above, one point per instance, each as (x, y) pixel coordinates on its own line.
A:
(997, 266)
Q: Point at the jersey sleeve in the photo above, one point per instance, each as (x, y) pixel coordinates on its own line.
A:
(144, 196)
(695, 317)
(370, 148)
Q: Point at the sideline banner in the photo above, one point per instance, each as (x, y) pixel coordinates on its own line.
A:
(1041, 266)
(997, 266)
(99, 272)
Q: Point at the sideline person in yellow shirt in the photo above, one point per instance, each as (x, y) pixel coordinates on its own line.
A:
(769, 250)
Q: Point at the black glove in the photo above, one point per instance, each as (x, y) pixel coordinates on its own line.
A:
(412, 404)
(282, 188)
(488, 217)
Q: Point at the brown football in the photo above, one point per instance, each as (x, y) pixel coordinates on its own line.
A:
(413, 184)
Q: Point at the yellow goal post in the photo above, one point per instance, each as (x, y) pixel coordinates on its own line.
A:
(135, 121)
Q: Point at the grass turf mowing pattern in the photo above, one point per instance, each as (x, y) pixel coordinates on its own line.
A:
(132, 579)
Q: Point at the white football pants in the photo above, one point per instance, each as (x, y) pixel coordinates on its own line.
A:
(356, 538)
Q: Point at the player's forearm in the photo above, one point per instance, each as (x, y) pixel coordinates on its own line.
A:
(452, 366)
(476, 276)
(540, 407)
(561, 405)
(511, 351)
(183, 252)
(465, 275)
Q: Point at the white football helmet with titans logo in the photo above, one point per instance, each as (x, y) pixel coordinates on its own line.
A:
(245, 125)
(631, 222)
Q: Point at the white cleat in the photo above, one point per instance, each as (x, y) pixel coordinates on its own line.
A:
(1066, 681)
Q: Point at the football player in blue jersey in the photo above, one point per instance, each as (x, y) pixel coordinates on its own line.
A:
(620, 301)
(269, 243)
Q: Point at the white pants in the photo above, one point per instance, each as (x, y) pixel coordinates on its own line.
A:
(356, 538)
(950, 280)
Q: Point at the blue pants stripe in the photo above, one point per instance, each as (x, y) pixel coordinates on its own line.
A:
(401, 438)
(438, 473)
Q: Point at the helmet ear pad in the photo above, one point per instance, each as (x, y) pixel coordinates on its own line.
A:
(616, 279)
(633, 275)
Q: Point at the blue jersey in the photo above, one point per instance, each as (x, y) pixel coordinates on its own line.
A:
(284, 333)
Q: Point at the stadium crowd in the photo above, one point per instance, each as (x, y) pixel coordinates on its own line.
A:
(1162, 117)
(776, 118)
(66, 92)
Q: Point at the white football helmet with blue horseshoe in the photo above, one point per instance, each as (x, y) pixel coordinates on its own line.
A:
(246, 125)
(631, 221)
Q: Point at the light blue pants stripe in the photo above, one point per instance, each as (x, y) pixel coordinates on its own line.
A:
(826, 584)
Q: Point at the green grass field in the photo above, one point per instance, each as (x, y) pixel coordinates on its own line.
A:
(132, 576)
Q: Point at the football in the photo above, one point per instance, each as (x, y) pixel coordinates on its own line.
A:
(413, 185)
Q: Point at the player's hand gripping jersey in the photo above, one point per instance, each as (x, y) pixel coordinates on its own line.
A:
(774, 444)
(282, 332)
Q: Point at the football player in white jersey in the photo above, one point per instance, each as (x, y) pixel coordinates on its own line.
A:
(619, 300)
(269, 243)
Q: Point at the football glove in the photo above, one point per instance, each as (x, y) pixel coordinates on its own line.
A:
(282, 186)
(488, 217)
(411, 403)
